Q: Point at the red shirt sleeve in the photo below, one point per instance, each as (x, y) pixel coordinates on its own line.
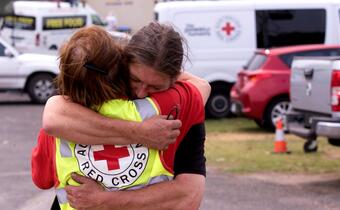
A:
(43, 162)
(191, 111)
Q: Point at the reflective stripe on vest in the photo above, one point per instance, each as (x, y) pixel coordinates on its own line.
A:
(65, 149)
(61, 195)
(145, 108)
(153, 180)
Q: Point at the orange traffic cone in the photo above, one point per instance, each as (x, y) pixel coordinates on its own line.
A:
(280, 145)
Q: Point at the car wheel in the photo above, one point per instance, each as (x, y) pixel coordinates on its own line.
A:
(218, 104)
(277, 109)
(310, 146)
(41, 87)
(334, 142)
(53, 47)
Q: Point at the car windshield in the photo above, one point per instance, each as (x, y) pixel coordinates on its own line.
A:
(255, 62)
(96, 20)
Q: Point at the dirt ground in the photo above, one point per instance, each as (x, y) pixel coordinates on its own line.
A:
(293, 179)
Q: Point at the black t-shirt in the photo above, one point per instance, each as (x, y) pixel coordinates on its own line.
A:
(189, 156)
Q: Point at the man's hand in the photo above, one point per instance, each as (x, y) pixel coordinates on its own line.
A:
(158, 132)
(89, 195)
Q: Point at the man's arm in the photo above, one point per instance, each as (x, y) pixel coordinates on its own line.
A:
(68, 120)
(202, 85)
(185, 192)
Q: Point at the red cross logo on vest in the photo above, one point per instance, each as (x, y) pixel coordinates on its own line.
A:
(228, 28)
(114, 166)
(112, 155)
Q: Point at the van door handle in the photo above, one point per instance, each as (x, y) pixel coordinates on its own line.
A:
(308, 73)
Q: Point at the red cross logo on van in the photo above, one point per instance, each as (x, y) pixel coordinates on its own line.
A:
(112, 155)
(228, 28)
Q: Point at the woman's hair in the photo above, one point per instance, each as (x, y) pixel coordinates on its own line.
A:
(92, 70)
(158, 46)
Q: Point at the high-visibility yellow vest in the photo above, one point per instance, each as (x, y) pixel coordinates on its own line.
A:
(116, 167)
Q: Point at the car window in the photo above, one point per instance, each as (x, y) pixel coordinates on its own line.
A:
(96, 20)
(288, 58)
(63, 22)
(256, 61)
(19, 22)
(2, 50)
(334, 52)
(276, 28)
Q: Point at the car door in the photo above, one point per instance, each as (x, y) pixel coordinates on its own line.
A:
(9, 69)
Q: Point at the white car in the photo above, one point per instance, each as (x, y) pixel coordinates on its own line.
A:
(29, 73)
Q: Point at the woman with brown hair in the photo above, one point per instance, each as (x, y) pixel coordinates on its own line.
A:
(92, 69)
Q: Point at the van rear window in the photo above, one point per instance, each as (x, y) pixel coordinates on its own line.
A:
(64, 22)
(290, 27)
(19, 22)
(256, 61)
(288, 58)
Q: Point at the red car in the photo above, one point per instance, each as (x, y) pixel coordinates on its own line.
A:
(261, 92)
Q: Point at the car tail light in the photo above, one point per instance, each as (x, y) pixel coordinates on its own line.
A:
(37, 40)
(240, 78)
(256, 76)
(335, 88)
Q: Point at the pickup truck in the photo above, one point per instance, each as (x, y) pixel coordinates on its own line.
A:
(315, 100)
(28, 73)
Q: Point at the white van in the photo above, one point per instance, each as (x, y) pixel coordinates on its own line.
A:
(222, 35)
(43, 26)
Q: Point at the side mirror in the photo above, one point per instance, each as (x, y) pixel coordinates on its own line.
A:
(8, 53)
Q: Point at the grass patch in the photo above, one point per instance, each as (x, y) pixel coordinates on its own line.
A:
(228, 125)
(238, 145)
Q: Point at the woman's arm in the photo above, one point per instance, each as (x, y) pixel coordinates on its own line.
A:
(68, 120)
(42, 162)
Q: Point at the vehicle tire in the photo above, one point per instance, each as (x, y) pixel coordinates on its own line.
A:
(334, 142)
(53, 47)
(40, 87)
(218, 104)
(277, 108)
(310, 146)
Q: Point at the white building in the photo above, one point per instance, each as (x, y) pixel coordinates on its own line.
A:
(130, 13)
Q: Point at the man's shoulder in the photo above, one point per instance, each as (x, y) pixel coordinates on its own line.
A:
(185, 85)
(181, 90)
(183, 95)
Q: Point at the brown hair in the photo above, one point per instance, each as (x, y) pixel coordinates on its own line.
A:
(158, 46)
(91, 68)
